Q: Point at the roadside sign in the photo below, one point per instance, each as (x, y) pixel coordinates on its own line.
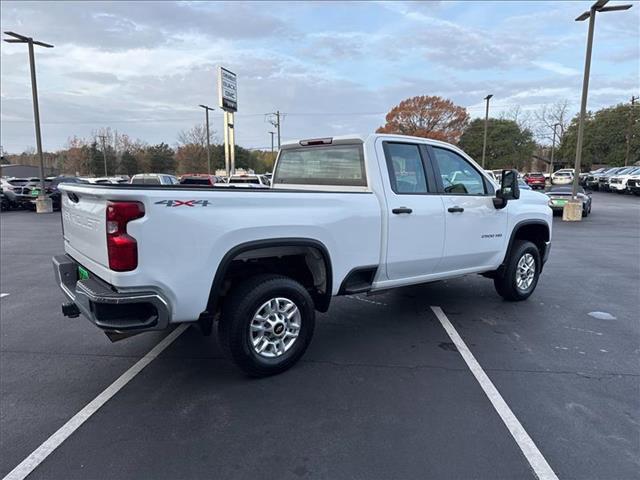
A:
(227, 90)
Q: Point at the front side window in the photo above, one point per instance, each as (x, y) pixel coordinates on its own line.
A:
(406, 169)
(458, 176)
(340, 165)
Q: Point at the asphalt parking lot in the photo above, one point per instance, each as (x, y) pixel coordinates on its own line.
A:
(382, 392)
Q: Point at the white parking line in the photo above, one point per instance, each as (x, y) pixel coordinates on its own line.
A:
(55, 440)
(538, 463)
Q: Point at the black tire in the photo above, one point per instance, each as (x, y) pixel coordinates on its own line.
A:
(506, 284)
(239, 310)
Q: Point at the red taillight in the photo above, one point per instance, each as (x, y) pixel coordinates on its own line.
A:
(122, 248)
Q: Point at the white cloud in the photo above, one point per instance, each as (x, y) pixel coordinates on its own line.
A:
(144, 67)
(556, 68)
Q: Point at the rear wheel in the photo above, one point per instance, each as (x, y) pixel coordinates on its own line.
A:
(521, 274)
(267, 324)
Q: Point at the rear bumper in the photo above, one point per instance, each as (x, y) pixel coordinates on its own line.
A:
(105, 306)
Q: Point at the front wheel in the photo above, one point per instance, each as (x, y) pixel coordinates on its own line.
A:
(267, 324)
(521, 274)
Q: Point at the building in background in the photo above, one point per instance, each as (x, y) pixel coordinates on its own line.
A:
(21, 171)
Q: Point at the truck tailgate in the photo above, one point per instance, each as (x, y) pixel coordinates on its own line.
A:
(84, 224)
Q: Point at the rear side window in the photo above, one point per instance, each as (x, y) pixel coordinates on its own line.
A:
(406, 170)
(340, 165)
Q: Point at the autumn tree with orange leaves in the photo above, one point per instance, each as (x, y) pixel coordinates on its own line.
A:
(428, 117)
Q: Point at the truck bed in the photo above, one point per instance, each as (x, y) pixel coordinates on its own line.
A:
(187, 230)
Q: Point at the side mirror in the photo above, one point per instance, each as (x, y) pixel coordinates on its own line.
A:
(509, 189)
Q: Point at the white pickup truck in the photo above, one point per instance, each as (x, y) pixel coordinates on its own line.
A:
(345, 215)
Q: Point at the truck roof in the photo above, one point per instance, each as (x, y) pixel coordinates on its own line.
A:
(357, 137)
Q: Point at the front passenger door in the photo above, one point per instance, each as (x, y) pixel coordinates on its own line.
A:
(415, 215)
(475, 229)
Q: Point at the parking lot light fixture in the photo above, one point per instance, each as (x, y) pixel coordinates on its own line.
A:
(43, 203)
(553, 145)
(486, 122)
(206, 108)
(573, 209)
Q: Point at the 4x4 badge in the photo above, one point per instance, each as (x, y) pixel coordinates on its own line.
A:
(183, 203)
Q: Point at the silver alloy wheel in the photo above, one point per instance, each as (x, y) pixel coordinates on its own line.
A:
(275, 327)
(525, 272)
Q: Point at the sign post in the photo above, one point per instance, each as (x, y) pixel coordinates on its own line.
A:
(228, 102)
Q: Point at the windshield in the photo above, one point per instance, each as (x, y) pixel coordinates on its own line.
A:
(252, 180)
(195, 181)
(145, 180)
(19, 182)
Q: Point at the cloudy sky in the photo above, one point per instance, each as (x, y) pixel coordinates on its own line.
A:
(142, 67)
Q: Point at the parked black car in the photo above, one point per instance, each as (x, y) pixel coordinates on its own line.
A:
(559, 195)
(51, 189)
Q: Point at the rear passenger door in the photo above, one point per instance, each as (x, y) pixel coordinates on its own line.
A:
(415, 213)
(475, 229)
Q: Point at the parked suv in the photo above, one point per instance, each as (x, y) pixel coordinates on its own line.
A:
(603, 180)
(618, 183)
(535, 180)
(563, 176)
(592, 178)
(633, 184)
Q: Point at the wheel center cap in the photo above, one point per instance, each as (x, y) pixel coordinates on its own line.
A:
(278, 328)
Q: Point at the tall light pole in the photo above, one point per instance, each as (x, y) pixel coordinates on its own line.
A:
(272, 134)
(206, 109)
(104, 153)
(630, 130)
(43, 203)
(486, 123)
(275, 121)
(553, 145)
(598, 6)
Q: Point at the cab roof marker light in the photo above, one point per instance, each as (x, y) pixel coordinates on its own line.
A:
(316, 141)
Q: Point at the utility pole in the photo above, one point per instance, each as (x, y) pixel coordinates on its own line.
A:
(275, 121)
(486, 124)
(43, 202)
(272, 134)
(104, 153)
(629, 130)
(206, 109)
(572, 210)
